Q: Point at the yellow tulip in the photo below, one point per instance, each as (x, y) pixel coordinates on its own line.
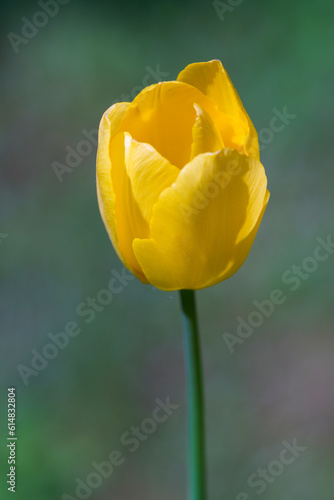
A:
(180, 186)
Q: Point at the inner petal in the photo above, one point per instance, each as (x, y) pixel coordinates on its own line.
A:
(149, 174)
(163, 115)
(206, 136)
(139, 175)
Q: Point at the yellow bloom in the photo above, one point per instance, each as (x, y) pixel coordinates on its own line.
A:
(180, 186)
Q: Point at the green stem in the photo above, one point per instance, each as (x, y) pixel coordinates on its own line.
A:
(196, 445)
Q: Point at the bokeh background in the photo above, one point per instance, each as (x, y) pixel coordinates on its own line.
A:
(278, 384)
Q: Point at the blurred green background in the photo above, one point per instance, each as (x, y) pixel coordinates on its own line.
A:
(278, 384)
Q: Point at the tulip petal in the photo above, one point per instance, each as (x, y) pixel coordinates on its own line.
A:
(212, 79)
(163, 115)
(203, 226)
(149, 173)
(206, 137)
(138, 176)
(129, 221)
(106, 198)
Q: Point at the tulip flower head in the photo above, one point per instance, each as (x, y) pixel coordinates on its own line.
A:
(180, 186)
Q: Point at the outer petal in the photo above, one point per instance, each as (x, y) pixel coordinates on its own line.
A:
(206, 137)
(204, 225)
(138, 176)
(106, 197)
(163, 115)
(212, 79)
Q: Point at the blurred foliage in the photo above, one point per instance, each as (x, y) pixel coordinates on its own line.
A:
(278, 384)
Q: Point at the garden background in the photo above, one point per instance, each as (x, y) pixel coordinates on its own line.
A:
(275, 385)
